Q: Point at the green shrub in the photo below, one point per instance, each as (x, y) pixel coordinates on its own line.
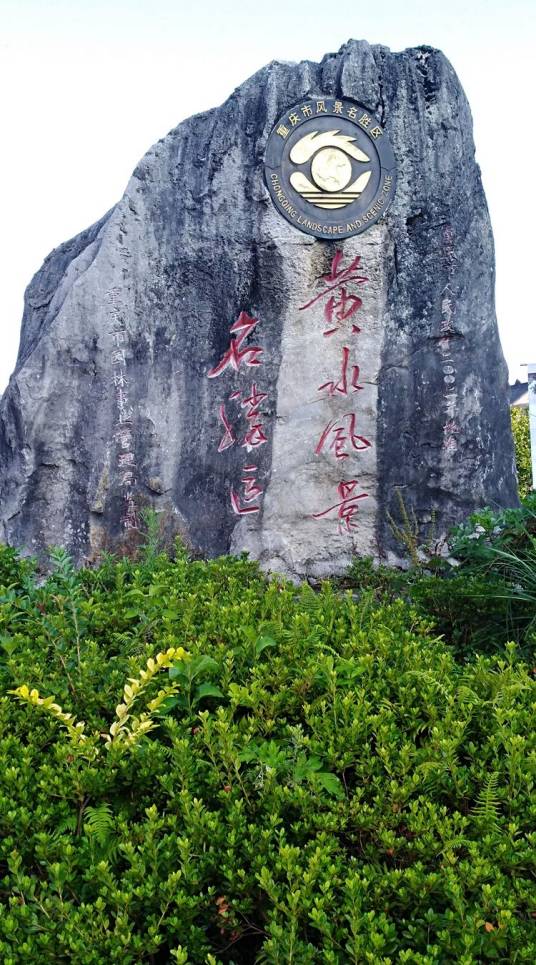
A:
(480, 597)
(497, 552)
(521, 432)
(14, 572)
(326, 783)
(475, 542)
(382, 583)
(468, 610)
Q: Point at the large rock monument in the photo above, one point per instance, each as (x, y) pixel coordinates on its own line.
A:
(286, 324)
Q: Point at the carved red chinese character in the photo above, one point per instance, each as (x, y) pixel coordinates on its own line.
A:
(340, 304)
(254, 437)
(348, 505)
(340, 307)
(253, 402)
(235, 354)
(251, 486)
(251, 490)
(341, 387)
(228, 438)
(338, 437)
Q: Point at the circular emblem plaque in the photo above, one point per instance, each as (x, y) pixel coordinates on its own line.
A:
(329, 168)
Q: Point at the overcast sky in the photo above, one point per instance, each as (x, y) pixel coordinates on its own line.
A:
(88, 85)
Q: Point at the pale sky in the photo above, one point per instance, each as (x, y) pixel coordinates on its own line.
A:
(87, 86)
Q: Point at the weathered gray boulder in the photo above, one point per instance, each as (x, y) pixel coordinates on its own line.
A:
(111, 407)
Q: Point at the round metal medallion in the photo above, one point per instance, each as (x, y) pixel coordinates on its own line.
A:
(329, 168)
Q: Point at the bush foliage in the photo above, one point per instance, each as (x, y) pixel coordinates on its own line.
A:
(482, 595)
(520, 429)
(320, 781)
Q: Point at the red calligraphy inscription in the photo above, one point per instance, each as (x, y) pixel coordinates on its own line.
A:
(253, 401)
(229, 437)
(250, 491)
(347, 507)
(246, 500)
(341, 387)
(235, 354)
(340, 304)
(338, 437)
(255, 435)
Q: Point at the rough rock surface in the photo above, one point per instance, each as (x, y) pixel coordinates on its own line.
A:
(194, 242)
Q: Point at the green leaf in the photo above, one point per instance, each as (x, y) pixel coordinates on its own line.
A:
(8, 645)
(314, 763)
(249, 754)
(273, 755)
(178, 670)
(330, 783)
(201, 664)
(169, 703)
(263, 643)
(207, 690)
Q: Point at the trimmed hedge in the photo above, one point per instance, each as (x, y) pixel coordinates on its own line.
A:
(323, 781)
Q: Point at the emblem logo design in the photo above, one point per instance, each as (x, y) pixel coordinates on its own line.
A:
(329, 168)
